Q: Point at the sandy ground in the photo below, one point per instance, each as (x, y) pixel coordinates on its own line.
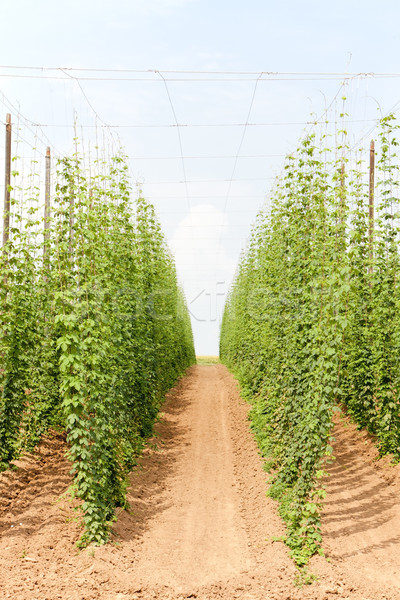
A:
(200, 524)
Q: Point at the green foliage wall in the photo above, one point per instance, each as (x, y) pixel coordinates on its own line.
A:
(93, 334)
(312, 319)
(370, 381)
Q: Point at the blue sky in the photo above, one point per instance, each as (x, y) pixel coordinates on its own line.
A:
(207, 220)
(259, 35)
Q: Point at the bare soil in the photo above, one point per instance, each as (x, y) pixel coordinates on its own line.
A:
(200, 524)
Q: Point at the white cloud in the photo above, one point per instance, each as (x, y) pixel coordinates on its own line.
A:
(206, 270)
(198, 246)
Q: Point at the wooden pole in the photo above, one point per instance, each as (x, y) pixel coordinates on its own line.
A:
(47, 207)
(371, 204)
(342, 172)
(71, 222)
(342, 192)
(7, 186)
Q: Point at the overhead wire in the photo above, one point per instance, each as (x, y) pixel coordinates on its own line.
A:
(163, 76)
(97, 116)
(181, 154)
(187, 75)
(189, 71)
(179, 137)
(241, 141)
(193, 125)
(236, 157)
(29, 124)
(205, 157)
(185, 181)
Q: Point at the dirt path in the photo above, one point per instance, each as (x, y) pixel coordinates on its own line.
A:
(200, 524)
(200, 537)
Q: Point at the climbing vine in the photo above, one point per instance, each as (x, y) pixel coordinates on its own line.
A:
(310, 326)
(94, 329)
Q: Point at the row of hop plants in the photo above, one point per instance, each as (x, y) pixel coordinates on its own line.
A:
(311, 323)
(94, 328)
